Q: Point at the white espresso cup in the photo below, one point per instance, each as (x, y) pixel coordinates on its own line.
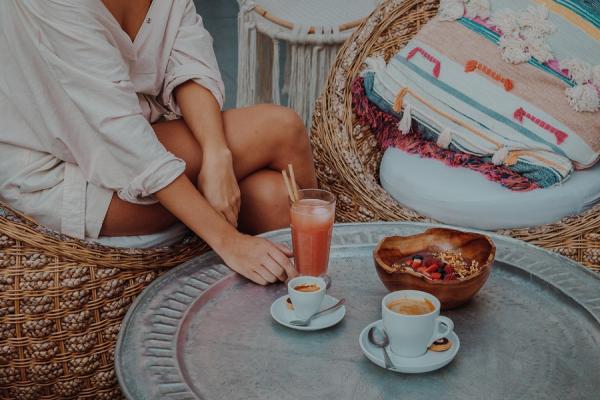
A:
(411, 335)
(306, 303)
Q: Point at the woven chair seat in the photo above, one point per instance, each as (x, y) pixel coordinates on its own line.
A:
(348, 157)
(62, 301)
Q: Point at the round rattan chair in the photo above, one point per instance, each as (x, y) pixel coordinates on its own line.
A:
(62, 301)
(347, 154)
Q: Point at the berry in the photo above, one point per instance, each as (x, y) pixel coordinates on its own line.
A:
(432, 268)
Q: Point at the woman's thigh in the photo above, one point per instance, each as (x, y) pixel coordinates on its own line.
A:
(259, 137)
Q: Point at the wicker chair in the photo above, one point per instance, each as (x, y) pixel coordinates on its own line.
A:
(62, 301)
(347, 155)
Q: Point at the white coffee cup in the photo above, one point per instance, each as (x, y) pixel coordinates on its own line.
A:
(411, 335)
(306, 303)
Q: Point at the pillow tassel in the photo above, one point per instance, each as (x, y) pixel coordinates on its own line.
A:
(406, 121)
(500, 155)
(444, 139)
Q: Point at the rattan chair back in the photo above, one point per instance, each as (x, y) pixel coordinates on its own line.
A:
(347, 155)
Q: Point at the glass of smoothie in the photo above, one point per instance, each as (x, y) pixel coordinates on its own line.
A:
(312, 219)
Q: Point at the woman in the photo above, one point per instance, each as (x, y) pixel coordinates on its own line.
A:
(111, 125)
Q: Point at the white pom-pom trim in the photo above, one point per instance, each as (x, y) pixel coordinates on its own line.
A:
(514, 50)
(451, 10)
(583, 98)
(596, 75)
(579, 71)
(477, 8)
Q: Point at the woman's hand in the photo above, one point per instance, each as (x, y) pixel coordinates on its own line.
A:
(218, 183)
(258, 259)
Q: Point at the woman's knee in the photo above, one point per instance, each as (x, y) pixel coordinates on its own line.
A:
(264, 195)
(287, 128)
(264, 187)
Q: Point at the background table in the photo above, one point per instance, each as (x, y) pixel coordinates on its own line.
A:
(201, 332)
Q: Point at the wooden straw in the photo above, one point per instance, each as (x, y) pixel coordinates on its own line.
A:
(288, 186)
(293, 179)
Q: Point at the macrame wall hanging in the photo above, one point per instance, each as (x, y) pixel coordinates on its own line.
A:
(305, 35)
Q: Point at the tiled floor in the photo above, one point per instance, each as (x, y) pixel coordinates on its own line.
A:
(220, 18)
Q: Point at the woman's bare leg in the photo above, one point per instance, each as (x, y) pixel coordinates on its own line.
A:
(265, 204)
(263, 140)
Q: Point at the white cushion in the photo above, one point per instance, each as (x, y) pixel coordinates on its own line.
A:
(459, 196)
(165, 238)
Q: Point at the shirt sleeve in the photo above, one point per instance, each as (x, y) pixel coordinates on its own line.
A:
(192, 58)
(92, 110)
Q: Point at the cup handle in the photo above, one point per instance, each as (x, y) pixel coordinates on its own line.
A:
(443, 327)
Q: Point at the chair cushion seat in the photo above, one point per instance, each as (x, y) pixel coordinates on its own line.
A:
(462, 197)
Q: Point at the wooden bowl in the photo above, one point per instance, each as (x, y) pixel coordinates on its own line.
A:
(473, 246)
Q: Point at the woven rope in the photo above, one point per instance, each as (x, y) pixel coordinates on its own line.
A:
(347, 155)
(62, 302)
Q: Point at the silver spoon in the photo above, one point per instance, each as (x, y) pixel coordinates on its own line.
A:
(380, 339)
(306, 322)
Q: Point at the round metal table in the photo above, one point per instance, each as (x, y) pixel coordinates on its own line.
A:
(202, 332)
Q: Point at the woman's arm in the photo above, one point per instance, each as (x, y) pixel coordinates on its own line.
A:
(217, 180)
(255, 258)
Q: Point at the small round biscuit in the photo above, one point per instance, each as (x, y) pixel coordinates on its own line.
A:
(442, 344)
(288, 303)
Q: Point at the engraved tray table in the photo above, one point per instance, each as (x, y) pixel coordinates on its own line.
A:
(202, 332)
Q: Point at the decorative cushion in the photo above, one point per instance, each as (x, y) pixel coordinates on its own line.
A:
(508, 81)
(459, 196)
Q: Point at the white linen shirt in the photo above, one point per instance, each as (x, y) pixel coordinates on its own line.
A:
(77, 99)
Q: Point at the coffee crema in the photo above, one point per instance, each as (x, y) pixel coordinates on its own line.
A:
(411, 306)
(307, 287)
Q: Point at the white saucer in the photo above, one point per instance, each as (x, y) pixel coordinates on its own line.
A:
(430, 361)
(284, 315)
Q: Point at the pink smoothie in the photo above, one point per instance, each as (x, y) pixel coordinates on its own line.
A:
(312, 224)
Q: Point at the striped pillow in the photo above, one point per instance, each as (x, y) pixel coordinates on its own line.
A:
(516, 83)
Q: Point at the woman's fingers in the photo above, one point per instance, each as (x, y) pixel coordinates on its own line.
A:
(282, 260)
(258, 259)
(266, 274)
(274, 268)
(284, 249)
(230, 216)
(252, 276)
(256, 278)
